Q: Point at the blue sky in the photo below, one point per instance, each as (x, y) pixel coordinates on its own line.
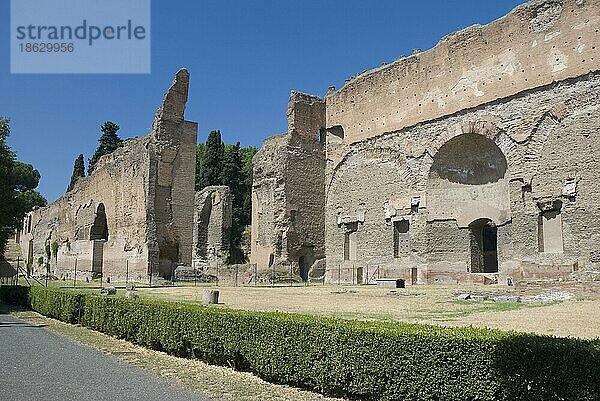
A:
(244, 58)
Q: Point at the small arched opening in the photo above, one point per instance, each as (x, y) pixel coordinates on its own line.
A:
(99, 230)
(483, 246)
(98, 236)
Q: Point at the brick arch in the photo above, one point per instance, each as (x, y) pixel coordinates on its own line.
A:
(509, 147)
(369, 153)
(485, 128)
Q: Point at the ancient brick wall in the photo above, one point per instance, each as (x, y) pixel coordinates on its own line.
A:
(538, 43)
(480, 143)
(288, 196)
(141, 196)
(212, 223)
(546, 137)
(473, 161)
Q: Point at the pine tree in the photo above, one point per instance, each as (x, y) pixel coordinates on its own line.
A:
(247, 153)
(78, 171)
(200, 151)
(109, 141)
(221, 164)
(213, 160)
(17, 188)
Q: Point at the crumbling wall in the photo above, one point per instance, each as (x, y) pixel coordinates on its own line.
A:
(288, 198)
(146, 191)
(487, 129)
(538, 43)
(212, 223)
(173, 163)
(546, 138)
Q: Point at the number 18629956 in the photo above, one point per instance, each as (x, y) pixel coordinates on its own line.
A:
(33, 47)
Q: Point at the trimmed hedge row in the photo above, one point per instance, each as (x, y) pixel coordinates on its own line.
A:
(368, 361)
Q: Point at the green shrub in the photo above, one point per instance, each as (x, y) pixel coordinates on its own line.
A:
(363, 360)
(15, 294)
(58, 304)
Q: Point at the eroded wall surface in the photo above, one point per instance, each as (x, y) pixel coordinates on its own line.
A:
(547, 140)
(212, 223)
(133, 214)
(288, 196)
(538, 43)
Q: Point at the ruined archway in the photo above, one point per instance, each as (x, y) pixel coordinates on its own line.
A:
(468, 180)
(99, 230)
(98, 236)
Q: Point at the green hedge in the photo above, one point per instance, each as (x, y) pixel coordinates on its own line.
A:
(367, 361)
(15, 294)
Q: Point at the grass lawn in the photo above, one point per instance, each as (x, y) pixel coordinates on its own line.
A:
(433, 304)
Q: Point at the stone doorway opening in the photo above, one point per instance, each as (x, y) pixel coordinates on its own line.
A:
(98, 236)
(99, 230)
(483, 246)
(305, 262)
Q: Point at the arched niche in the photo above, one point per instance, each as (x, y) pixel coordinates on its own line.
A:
(468, 180)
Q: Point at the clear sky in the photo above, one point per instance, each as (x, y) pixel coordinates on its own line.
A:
(244, 58)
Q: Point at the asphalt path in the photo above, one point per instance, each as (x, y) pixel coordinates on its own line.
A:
(37, 364)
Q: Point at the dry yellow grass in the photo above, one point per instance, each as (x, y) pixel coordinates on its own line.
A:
(419, 304)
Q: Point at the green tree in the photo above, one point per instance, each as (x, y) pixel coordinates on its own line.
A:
(247, 154)
(223, 164)
(213, 160)
(231, 175)
(7, 193)
(200, 151)
(109, 141)
(26, 201)
(78, 172)
(17, 188)
(25, 180)
(25, 176)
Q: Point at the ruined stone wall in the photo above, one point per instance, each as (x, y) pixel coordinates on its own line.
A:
(546, 136)
(212, 223)
(540, 42)
(142, 189)
(490, 131)
(288, 196)
(473, 161)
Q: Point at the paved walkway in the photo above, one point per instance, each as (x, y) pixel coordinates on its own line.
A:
(36, 364)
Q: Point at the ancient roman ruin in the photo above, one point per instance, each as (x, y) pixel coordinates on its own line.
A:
(132, 217)
(474, 161)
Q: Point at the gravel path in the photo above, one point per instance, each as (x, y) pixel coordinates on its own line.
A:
(37, 364)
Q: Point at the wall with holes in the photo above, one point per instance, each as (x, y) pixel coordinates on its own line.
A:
(538, 43)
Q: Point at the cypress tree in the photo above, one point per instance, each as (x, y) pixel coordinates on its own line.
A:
(212, 162)
(78, 172)
(232, 176)
(109, 141)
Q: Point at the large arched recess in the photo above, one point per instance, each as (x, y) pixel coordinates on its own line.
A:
(468, 180)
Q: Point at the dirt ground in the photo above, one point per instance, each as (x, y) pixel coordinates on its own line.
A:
(577, 317)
